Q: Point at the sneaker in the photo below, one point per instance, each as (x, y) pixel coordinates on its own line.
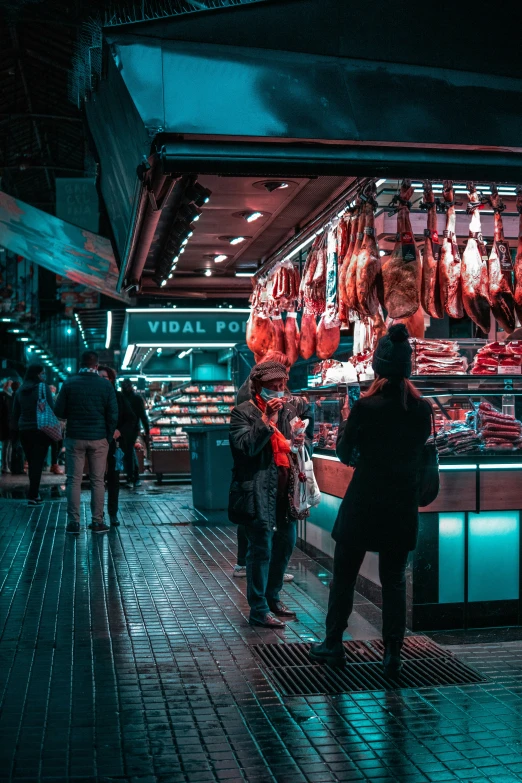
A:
(288, 578)
(35, 502)
(114, 521)
(73, 527)
(99, 527)
(239, 572)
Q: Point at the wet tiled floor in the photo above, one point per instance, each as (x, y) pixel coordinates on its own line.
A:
(127, 657)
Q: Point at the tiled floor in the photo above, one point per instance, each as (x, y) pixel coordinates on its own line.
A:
(126, 658)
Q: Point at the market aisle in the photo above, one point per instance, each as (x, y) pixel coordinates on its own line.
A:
(126, 658)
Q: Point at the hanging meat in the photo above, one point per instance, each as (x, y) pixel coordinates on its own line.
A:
(350, 280)
(474, 271)
(308, 337)
(501, 296)
(291, 337)
(285, 284)
(279, 333)
(450, 263)
(368, 268)
(518, 259)
(352, 223)
(430, 291)
(343, 240)
(259, 334)
(312, 291)
(328, 337)
(414, 323)
(401, 271)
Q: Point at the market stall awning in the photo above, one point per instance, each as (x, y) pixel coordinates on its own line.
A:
(67, 250)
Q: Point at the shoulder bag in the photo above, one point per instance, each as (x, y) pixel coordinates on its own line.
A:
(46, 420)
(429, 471)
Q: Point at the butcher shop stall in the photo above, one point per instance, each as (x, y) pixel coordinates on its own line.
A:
(264, 156)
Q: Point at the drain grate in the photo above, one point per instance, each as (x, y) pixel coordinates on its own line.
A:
(425, 664)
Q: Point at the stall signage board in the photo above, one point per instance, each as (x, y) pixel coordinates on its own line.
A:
(204, 327)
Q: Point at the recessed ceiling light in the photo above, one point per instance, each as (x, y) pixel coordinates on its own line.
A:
(236, 240)
(275, 185)
(220, 257)
(163, 283)
(15, 331)
(251, 216)
(245, 274)
(208, 272)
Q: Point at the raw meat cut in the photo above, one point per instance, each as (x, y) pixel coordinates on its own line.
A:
(259, 334)
(284, 286)
(331, 307)
(414, 323)
(328, 339)
(279, 333)
(351, 267)
(450, 263)
(352, 235)
(308, 338)
(312, 290)
(343, 240)
(430, 292)
(474, 270)
(402, 271)
(291, 337)
(501, 296)
(368, 266)
(437, 357)
(518, 260)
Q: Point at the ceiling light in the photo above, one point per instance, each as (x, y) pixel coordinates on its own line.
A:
(382, 252)
(208, 272)
(175, 259)
(271, 186)
(108, 335)
(236, 240)
(69, 369)
(220, 257)
(251, 216)
(7, 320)
(198, 194)
(128, 356)
(163, 283)
(380, 182)
(22, 339)
(170, 277)
(245, 274)
(15, 331)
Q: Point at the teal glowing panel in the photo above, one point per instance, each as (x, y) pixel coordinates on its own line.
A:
(451, 558)
(494, 556)
(325, 514)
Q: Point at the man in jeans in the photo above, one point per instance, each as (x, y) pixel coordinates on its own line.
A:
(89, 405)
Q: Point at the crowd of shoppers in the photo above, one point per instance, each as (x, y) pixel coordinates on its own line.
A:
(382, 437)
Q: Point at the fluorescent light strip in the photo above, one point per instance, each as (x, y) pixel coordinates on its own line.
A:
(160, 377)
(457, 467)
(183, 310)
(325, 456)
(245, 274)
(109, 329)
(184, 345)
(501, 466)
(128, 357)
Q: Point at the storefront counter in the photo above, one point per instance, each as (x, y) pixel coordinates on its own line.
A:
(465, 572)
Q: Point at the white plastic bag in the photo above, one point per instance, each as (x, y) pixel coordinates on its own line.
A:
(309, 493)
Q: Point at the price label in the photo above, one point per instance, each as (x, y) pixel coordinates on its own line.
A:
(509, 370)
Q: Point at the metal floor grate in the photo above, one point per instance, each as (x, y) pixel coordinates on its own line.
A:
(425, 664)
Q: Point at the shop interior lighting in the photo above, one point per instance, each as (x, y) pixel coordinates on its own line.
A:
(380, 182)
(236, 240)
(250, 217)
(185, 353)
(208, 272)
(274, 185)
(159, 351)
(7, 320)
(198, 194)
(69, 369)
(23, 339)
(128, 356)
(219, 258)
(15, 331)
(245, 274)
(108, 336)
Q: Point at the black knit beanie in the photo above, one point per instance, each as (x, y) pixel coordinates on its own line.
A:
(392, 357)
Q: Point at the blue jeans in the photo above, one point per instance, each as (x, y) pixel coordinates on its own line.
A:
(267, 558)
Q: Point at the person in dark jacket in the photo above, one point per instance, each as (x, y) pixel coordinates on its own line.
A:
(138, 407)
(5, 425)
(384, 435)
(89, 405)
(304, 411)
(260, 439)
(34, 442)
(126, 424)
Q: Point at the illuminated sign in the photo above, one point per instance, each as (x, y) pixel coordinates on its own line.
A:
(186, 327)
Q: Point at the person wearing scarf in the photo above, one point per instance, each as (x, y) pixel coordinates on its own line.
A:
(262, 485)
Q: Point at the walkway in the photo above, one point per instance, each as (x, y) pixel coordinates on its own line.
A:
(127, 657)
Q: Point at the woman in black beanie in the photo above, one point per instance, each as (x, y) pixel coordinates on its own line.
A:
(383, 438)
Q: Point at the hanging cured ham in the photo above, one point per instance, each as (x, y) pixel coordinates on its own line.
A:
(518, 259)
(401, 271)
(308, 337)
(501, 296)
(291, 337)
(430, 291)
(343, 240)
(279, 333)
(352, 235)
(259, 334)
(328, 338)
(329, 330)
(475, 276)
(414, 323)
(351, 266)
(368, 267)
(450, 263)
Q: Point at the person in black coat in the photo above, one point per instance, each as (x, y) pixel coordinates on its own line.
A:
(125, 429)
(136, 403)
(383, 437)
(35, 443)
(260, 439)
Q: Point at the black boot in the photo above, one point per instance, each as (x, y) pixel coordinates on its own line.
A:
(331, 653)
(392, 663)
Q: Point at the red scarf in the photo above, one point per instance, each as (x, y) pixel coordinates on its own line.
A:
(280, 446)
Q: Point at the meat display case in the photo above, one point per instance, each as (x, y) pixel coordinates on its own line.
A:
(466, 571)
(190, 404)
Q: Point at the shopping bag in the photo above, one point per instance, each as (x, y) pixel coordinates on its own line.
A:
(429, 479)
(46, 421)
(119, 458)
(309, 493)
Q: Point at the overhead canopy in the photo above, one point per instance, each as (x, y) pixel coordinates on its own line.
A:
(67, 250)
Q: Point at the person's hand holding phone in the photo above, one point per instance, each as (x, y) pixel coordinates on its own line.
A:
(272, 410)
